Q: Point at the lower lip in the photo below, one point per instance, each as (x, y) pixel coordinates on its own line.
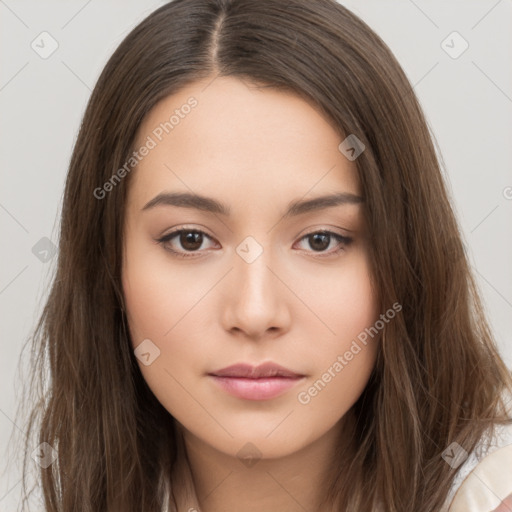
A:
(256, 389)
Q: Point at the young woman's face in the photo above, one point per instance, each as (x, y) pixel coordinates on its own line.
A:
(252, 282)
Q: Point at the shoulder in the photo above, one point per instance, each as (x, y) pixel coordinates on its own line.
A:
(484, 480)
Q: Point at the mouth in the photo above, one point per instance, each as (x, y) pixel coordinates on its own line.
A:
(261, 382)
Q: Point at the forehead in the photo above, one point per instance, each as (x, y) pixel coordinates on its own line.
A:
(239, 141)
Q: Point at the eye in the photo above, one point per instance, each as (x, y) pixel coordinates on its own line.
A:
(321, 240)
(191, 241)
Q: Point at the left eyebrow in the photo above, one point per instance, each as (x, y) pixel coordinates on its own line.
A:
(299, 207)
(208, 204)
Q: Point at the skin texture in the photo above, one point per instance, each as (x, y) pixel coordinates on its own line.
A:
(256, 150)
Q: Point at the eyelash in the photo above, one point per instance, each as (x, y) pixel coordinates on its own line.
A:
(344, 241)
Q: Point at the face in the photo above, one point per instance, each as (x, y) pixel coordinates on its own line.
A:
(259, 272)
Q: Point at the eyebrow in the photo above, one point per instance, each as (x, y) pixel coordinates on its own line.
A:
(208, 204)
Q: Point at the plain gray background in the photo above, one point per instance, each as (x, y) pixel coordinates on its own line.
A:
(467, 100)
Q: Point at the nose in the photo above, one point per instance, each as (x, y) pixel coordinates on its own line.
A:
(256, 301)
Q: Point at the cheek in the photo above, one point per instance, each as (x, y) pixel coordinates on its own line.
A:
(163, 306)
(344, 300)
(346, 356)
(336, 388)
(158, 296)
(157, 302)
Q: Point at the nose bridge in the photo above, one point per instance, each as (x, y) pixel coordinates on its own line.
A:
(256, 302)
(251, 270)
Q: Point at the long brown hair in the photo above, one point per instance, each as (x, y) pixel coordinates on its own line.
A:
(438, 378)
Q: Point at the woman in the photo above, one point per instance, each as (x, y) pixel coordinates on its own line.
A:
(262, 299)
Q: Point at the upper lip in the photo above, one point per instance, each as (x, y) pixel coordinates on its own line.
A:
(254, 372)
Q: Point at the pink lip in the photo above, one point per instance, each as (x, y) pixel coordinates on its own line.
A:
(262, 382)
(256, 389)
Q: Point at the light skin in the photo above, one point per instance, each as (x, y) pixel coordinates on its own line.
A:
(299, 304)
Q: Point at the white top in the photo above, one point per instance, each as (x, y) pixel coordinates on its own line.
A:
(484, 480)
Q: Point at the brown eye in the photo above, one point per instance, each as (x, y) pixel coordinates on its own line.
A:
(184, 242)
(191, 240)
(319, 241)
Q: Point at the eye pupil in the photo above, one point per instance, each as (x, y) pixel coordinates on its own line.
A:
(191, 240)
(322, 238)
